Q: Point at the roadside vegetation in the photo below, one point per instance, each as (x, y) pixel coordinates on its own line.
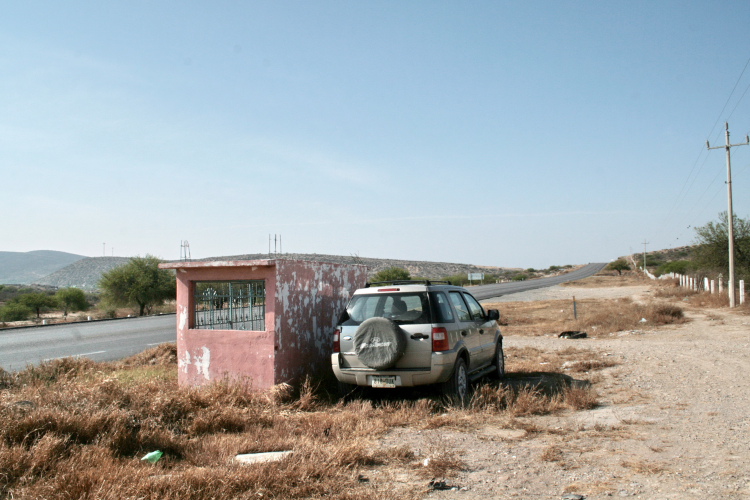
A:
(136, 288)
(78, 429)
(708, 256)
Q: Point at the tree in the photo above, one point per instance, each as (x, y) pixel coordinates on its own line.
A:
(619, 265)
(37, 301)
(140, 283)
(71, 299)
(391, 274)
(712, 251)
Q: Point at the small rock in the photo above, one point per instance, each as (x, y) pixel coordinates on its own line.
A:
(254, 458)
(572, 335)
(439, 485)
(573, 496)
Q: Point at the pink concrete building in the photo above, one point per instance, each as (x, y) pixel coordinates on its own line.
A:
(266, 321)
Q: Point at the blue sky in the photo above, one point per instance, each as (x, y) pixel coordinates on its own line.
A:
(521, 134)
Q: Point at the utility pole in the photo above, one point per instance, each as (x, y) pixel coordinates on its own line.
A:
(644, 254)
(730, 214)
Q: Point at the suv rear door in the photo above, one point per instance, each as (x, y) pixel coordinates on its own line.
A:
(468, 329)
(484, 331)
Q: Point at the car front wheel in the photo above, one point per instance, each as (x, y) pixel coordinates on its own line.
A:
(499, 361)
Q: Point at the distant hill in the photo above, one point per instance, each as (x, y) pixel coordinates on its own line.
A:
(23, 268)
(422, 269)
(84, 273)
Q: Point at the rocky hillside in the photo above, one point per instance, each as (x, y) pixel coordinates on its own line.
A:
(83, 274)
(23, 268)
(422, 269)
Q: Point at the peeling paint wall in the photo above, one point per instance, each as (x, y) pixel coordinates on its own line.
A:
(311, 297)
(303, 302)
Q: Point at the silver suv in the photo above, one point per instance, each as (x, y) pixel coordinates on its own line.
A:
(409, 333)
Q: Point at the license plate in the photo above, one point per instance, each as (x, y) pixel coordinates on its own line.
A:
(383, 381)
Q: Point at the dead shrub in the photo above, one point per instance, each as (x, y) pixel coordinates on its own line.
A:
(643, 466)
(664, 314)
(48, 372)
(161, 355)
(579, 397)
(709, 300)
(623, 314)
(552, 454)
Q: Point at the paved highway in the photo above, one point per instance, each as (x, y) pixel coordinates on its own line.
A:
(117, 339)
(98, 340)
(484, 292)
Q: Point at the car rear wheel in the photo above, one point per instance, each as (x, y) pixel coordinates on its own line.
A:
(456, 388)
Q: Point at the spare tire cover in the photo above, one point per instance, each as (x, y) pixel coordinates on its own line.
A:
(379, 343)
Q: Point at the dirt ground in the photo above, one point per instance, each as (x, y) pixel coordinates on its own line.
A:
(673, 420)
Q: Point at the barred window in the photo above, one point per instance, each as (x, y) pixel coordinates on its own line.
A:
(230, 305)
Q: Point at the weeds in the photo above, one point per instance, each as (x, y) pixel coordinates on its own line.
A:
(76, 429)
(595, 317)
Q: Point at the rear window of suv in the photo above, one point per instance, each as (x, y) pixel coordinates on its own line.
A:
(402, 308)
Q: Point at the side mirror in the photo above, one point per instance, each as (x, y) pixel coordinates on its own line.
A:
(493, 314)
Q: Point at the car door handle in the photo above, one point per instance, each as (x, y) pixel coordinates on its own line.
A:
(419, 336)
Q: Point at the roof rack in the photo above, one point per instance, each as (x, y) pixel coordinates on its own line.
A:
(408, 282)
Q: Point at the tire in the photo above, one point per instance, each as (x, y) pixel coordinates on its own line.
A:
(499, 361)
(456, 388)
(379, 343)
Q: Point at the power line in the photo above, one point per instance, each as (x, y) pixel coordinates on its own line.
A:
(693, 175)
(730, 213)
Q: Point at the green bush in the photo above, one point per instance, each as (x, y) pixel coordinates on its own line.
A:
(457, 279)
(15, 311)
(391, 274)
(676, 266)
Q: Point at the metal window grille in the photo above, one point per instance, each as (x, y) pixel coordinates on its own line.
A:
(230, 305)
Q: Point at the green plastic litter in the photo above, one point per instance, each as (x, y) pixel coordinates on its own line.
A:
(153, 457)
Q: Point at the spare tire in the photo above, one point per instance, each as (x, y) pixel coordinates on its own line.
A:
(379, 343)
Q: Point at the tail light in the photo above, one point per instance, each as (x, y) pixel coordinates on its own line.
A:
(337, 340)
(440, 340)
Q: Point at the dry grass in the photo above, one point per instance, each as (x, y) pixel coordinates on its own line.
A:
(77, 429)
(610, 279)
(643, 466)
(595, 317)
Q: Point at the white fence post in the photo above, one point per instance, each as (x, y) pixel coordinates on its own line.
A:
(713, 287)
(742, 292)
(705, 285)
